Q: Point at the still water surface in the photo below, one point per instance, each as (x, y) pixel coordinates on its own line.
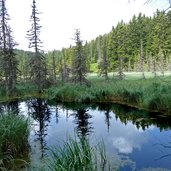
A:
(134, 139)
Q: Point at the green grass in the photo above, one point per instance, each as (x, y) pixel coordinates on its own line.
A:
(25, 89)
(14, 133)
(153, 94)
(77, 154)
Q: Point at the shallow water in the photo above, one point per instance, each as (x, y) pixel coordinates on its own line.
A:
(134, 139)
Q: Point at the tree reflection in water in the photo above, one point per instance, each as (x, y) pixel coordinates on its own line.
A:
(40, 112)
(83, 126)
(81, 117)
(106, 108)
(10, 107)
(81, 114)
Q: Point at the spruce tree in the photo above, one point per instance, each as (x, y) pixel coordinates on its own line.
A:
(141, 59)
(162, 62)
(99, 49)
(103, 63)
(120, 44)
(64, 69)
(37, 61)
(79, 62)
(9, 63)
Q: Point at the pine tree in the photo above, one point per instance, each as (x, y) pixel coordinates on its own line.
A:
(120, 45)
(103, 63)
(154, 69)
(54, 65)
(37, 61)
(99, 53)
(79, 62)
(141, 59)
(162, 62)
(53, 59)
(64, 69)
(9, 63)
(22, 58)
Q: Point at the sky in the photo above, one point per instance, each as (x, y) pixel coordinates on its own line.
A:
(60, 18)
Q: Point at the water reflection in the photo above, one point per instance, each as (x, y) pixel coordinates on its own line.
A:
(129, 134)
(83, 126)
(142, 119)
(39, 110)
(106, 108)
(11, 107)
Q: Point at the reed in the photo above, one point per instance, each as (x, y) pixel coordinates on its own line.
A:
(14, 133)
(77, 154)
(150, 94)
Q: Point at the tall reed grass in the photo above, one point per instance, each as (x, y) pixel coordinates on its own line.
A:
(150, 94)
(78, 155)
(14, 133)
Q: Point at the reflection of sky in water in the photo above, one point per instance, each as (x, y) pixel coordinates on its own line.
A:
(131, 148)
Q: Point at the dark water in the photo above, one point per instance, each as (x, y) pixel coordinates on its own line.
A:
(135, 140)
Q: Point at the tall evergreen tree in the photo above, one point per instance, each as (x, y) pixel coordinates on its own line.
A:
(79, 62)
(120, 45)
(64, 69)
(99, 49)
(131, 44)
(162, 63)
(141, 59)
(9, 63)
(37, 61)
(103, 63)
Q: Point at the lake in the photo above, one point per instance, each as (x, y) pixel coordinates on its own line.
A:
(135, 140)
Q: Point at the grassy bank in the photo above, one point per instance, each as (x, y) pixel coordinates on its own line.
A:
(150, 94)
(13, 139)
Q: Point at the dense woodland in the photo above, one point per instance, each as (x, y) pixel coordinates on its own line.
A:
(143, 44)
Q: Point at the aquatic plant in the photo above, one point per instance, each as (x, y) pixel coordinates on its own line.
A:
(14, 133)
(77, 154)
